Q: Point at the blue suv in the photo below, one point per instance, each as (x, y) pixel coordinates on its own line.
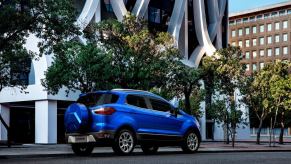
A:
(123, 118)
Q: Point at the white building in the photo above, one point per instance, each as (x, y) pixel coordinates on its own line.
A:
(199, 27)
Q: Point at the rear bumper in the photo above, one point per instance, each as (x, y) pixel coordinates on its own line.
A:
(93, 137)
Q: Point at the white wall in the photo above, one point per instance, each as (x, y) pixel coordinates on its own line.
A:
(5, 113)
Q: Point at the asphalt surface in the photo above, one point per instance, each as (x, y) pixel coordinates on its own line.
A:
(165, 157)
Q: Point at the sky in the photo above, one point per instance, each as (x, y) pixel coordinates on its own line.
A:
(241, 5)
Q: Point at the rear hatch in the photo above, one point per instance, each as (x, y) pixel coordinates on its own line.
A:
(87, 114)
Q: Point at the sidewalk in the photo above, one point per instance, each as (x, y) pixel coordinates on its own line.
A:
(32, 150)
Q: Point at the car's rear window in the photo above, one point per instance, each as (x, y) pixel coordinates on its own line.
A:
(136, 101)
(94, 99)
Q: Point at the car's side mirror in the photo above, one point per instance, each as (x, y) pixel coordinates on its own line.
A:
(175, 111)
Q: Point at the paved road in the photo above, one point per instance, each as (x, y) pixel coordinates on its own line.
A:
(165, 157)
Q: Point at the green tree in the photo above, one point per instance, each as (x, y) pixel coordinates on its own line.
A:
(184, 83)
(228, 77)
(256, 97)
(280, 90)
(142, 59)
(208, 66)
(50, 20)
(268, 93)
(123, 54)
(79, 67)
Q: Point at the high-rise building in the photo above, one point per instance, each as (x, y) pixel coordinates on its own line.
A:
(198, 26)
(263, 34)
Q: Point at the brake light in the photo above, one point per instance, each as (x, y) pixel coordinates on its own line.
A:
(105, 111)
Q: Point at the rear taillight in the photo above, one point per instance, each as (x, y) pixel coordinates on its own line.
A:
(105, 111)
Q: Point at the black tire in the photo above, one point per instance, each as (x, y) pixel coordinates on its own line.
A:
(191, 142)
(82, 149)
(149, 149)
(124, 142)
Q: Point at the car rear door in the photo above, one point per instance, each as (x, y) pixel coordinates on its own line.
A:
(142, 114)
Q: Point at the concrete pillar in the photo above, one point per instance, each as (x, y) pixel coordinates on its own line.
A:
(5, 113)
(46, 122)
(203, 117)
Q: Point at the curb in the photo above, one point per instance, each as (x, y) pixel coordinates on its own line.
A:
(66, 155)
(35, 156)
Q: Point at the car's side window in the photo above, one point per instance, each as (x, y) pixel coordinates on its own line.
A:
(136, 101)
(160, 105)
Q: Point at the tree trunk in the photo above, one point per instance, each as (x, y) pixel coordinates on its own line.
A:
(233, 136)
(282, 129)
(187, 102)
(225, 133)
(227, 130)
(271, 132)
(259, 132)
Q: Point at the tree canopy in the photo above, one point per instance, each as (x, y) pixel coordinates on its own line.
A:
(52, 21)
(122, 54)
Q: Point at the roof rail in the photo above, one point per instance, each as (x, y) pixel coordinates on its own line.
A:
(128, 90)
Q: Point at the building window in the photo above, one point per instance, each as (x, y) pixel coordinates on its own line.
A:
(254, 54)
(245, 20)
(269, 27)
(247, 31)
(254, 42)
(252, 19)
(231, 23)
(282, 12)
(266, 15)
(240, 43)
(277, 51)
(285, 37)
(274, 14)
(269, 39)
(277, 26)
(254, 29)
(262, 41)
(254, 67)
(108, 6)
(285, 50)
(285, 24)
(259, 17)
(269, 52)
(247, 43)
(262, 28)
(262, 53)
(289, 11)
(233, 33)
(238, 21)
(240, 32)
(262, 65)
(247, 67)
(233, 44)
(247, 55)
(277, 38)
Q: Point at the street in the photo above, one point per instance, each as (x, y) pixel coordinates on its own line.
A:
(165, 157)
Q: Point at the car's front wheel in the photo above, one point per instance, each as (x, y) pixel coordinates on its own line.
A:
(82, 149)
(149, 149)
(124, 142)
(190, 142)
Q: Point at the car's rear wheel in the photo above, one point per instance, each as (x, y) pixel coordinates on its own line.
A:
(149, 149)
(124, 142)
(190, 142)
(82, 149)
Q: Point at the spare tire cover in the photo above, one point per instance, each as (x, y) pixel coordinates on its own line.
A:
(76, 117)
